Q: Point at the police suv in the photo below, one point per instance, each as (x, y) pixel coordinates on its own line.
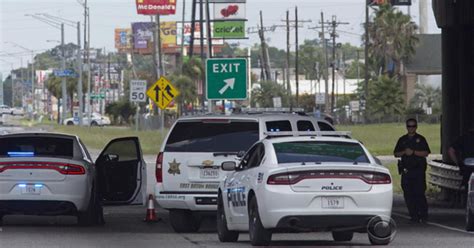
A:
(188, 165)
(305, 183)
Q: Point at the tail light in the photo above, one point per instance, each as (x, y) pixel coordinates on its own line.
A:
(290, 178)
(159, 168)
(63, 168)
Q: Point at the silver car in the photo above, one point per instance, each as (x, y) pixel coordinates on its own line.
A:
(53, 174)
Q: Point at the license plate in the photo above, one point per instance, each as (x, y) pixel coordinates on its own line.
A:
(31, 190)
(209, 173)
(333, 202)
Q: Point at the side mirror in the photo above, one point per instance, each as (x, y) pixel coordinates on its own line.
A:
(228, 166)
(469, 162)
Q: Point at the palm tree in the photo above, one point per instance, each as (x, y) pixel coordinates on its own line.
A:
(392, 39)
(426, 96)
(187, 91)
(263, 95)
(385, 97)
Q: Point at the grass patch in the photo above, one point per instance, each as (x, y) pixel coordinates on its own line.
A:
(98, 137)
(380, 139)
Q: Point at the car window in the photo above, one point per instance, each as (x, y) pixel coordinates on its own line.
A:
(37, 146)
(278, 126)
(125, 149)
(244, 163)
(319, 151)
(323, 126)
(85, 150)
(256, 158)
(305, 126)
(212, 136)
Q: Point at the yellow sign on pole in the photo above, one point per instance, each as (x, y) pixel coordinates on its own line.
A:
(162, 92)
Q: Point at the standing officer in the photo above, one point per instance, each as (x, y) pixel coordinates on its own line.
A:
(413, 149)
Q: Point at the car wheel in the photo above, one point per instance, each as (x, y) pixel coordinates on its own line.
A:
(94, 124)
(469, 220)
(342, 236)
(183, 221)
(70, 123)
(94, 214)
(259, 236)
(224, 234)
(375, 241)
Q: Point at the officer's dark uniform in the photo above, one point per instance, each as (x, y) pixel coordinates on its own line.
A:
(413, 176)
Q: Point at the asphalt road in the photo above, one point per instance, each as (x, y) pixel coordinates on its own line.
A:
(125, 228)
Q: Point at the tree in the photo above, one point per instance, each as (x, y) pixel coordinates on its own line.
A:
(426, 96)
(385, 97)
(263, 95)
(392, 40)
(187, 89)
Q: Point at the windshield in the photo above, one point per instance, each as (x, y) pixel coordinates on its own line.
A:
(319, 151)
(225, 136)
(36, 146)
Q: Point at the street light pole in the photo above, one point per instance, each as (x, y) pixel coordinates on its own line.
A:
(79, 69)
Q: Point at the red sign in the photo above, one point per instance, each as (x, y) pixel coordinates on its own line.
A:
(156, 7)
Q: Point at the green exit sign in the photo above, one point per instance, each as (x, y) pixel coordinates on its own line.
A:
(226, 79)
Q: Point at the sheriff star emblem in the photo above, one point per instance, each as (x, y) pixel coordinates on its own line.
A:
(207, 163)
(174, 167)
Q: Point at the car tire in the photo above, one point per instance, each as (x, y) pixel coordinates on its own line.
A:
(94, 214)
(469, 220)
(259, 236)
(94, 124)
(70, 123)
(375, 241)
(183, 221)
(342, 236)
(224, 234)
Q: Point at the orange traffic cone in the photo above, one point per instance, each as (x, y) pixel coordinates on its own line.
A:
(150, 212)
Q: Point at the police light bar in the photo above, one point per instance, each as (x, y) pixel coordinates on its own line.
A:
(21, 154)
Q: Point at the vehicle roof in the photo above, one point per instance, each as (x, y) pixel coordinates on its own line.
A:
(36, 134)
(311, 138)
(249, 116)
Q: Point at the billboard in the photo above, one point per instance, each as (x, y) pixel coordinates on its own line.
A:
(229, 30)
(229, 11)
(227, 1)
(197, 35)
(392, 2)
(168, 34)
(156, 7)
(142, 34)
(122, 38)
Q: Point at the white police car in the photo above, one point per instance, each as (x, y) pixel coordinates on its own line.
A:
(305, 183)
(53, 174)
(188, 165)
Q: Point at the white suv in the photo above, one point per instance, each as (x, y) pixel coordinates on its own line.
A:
(188, 164)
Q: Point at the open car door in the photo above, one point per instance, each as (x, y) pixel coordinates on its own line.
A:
(122, 173)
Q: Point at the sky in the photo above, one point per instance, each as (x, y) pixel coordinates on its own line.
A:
(18, 29)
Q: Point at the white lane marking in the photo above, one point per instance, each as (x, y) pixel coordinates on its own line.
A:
(435, 224)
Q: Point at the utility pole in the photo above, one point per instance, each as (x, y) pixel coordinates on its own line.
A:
(322, 35)
(193, 27)
(334, 23)
(288, 84)
(265, 56)
(296, 58)
(296, 26)
(182, 36)
(63, 80)
(209, 52)
(366, 62)
(79, 70)
(161, 72)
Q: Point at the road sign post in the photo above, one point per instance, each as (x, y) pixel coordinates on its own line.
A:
(226, 79)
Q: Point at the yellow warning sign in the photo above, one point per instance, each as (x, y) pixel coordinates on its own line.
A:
(162, 92)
